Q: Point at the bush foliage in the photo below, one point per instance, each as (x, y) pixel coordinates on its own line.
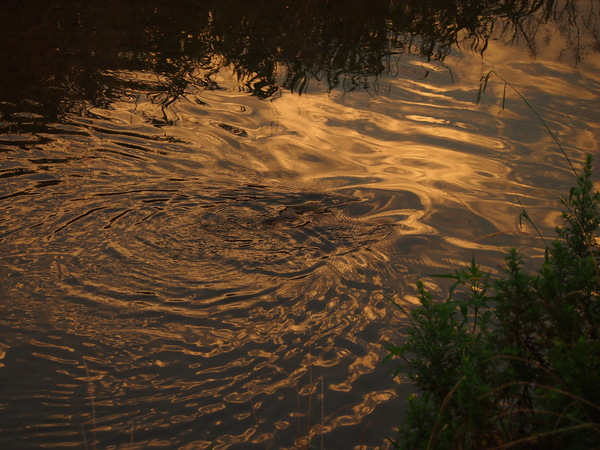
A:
(513, 361)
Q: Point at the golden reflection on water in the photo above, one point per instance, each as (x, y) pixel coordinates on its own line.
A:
(223, 261)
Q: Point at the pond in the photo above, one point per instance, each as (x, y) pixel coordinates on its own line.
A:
(206, 208)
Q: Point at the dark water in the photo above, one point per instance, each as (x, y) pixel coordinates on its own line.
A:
(205, 208)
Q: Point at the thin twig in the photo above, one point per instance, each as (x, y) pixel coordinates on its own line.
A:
(91, 391)
(322, 412)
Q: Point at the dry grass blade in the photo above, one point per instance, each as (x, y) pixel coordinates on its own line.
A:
(441, 411)
(536, 436)
(482, 87)
(93, 404)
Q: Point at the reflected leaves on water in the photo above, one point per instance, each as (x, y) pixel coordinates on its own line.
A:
(233, 130)
(270, 45)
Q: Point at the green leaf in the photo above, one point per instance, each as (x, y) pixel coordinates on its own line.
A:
(463, 310)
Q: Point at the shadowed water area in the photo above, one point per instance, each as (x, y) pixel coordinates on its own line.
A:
(206, 207)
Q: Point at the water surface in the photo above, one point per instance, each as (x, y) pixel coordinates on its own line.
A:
(199, 247)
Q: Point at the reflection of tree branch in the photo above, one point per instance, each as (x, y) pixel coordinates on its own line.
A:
(74, 46)
(337, 41)
(580, 31)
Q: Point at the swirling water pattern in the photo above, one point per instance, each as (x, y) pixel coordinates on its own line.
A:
(218, 271)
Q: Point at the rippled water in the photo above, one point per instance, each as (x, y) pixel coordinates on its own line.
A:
(218, 270)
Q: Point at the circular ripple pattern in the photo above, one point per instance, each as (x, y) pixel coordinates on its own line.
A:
(208, 303)
(176, 244)
(285, 235)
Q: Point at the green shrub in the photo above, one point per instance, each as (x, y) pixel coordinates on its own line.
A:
(514, 361)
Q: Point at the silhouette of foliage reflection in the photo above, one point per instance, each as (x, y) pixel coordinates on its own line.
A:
(63, 52)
